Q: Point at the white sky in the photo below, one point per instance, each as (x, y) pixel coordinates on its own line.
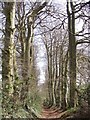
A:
(41, 77)
(55, 1)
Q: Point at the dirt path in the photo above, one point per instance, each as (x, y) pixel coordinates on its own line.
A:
(58, 114)
(51, 113)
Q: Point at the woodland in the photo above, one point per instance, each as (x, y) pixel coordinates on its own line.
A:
(45, 59)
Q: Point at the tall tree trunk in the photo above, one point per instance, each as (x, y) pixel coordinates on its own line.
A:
(65, 81)
(89, 63)
(62, 77)
(72, 52)
(59, 80)
(21, 32)
(51, 76)
(7, 60)
(56, 89)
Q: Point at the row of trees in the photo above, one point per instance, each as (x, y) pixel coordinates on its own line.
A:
(65, 58)
(18, 37)
(58, 33)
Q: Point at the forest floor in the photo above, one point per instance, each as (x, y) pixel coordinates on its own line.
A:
(54, 113)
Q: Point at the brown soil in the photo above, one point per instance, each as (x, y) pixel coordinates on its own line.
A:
(54, 113)
(51, 112)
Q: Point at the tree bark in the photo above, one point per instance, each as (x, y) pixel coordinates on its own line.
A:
(8, 60)
(72, 53)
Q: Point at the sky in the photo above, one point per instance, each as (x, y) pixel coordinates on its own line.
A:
(55, 1)
(41, 60)
(58, 1)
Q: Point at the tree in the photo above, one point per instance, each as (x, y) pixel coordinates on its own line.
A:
(8, 60)
(72, 52)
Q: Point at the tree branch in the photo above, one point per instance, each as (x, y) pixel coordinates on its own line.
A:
(81, 42)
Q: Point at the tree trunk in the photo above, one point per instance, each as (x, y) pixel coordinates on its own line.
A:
(7, 60)
(62, 78)
(72, 53)
(51, 76)
(65, 81)
(56, 87)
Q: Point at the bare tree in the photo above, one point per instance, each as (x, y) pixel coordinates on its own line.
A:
(8, 60)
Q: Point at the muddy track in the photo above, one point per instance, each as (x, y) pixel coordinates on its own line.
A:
(52, 113)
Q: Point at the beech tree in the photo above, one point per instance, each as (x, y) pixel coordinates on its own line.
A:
(8, 73)
(72, 52)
